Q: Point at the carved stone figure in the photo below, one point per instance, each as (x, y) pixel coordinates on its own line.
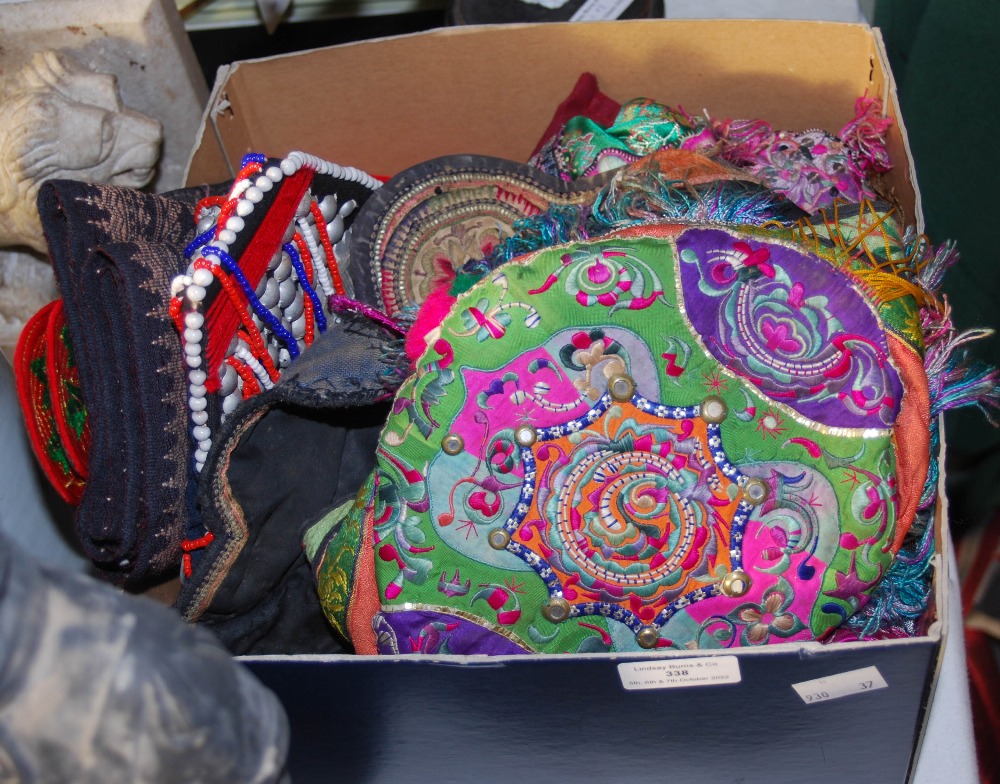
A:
(61, 120)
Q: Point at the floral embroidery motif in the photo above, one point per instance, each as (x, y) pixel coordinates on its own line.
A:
(528, 503)
(628, 503)
(486, 319)
(400, 496)
(590, 350)
(758, 622)
(792, 326)
(612, 278)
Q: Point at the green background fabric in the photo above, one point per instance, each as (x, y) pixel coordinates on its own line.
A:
(944, 54)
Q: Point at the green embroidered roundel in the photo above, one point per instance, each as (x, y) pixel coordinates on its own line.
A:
(681, 440)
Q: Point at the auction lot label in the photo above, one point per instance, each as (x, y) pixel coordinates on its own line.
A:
(833, 687)
(677, 673)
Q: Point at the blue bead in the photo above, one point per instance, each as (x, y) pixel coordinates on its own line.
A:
(197, 242)
(300, 271)
(252, 157)
(265, 315)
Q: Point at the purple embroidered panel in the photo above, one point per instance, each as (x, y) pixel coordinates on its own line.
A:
(430, 632)
(789, 325)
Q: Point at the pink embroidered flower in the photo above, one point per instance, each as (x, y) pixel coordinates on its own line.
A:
(770, 617)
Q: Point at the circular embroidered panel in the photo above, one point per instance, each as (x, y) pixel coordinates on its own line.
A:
(432, 218)
(624, 501)
(672, 441)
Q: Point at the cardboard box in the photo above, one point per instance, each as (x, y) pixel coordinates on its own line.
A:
(384, 105)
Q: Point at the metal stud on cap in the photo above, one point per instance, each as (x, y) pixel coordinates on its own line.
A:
(498, 539)
(647, 637)
(525, 435)
(557, 610)
(452, 444)
(621, 387)
(735, 583)
(713, 409)
(755, 491)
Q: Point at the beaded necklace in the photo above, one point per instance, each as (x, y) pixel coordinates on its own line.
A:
(250, 301)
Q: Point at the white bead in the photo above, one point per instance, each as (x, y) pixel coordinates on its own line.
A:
(197, 403)
(197, 377)
(196, 293)
(199, 417)
(244, 207)
(340, 251)
(198, 465)
(286, 292)
(207, 222)
(304, 206)
(201, 432)
(200, 455)
(347, 207)
(194, 320)
(336, 229)
(230, 403)
(235, 223)
(205, 445)
(239, 187)
(197, 390)
(193, 362)
(264, 183)
(295, 308)
(254, 194)
(288, 168)
(274, 174)
(229, 380)
(177, 286)
(192, 335)
(227, 236)
(328, 207)
(222, 246)
(269, 297)
(284, 268)
(192, 349)
(202, 277)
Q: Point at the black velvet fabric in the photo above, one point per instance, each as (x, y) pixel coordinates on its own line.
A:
(114, 251)
(280, 462)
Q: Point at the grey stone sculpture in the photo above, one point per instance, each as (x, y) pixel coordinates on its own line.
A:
(100, 687)
(61, 120)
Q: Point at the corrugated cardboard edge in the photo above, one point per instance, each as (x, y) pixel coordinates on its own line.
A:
(890, 99)
(524, 46)
(212, 156)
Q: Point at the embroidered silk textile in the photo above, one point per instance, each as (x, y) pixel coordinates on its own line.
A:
(812, 168)
(671, 437)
